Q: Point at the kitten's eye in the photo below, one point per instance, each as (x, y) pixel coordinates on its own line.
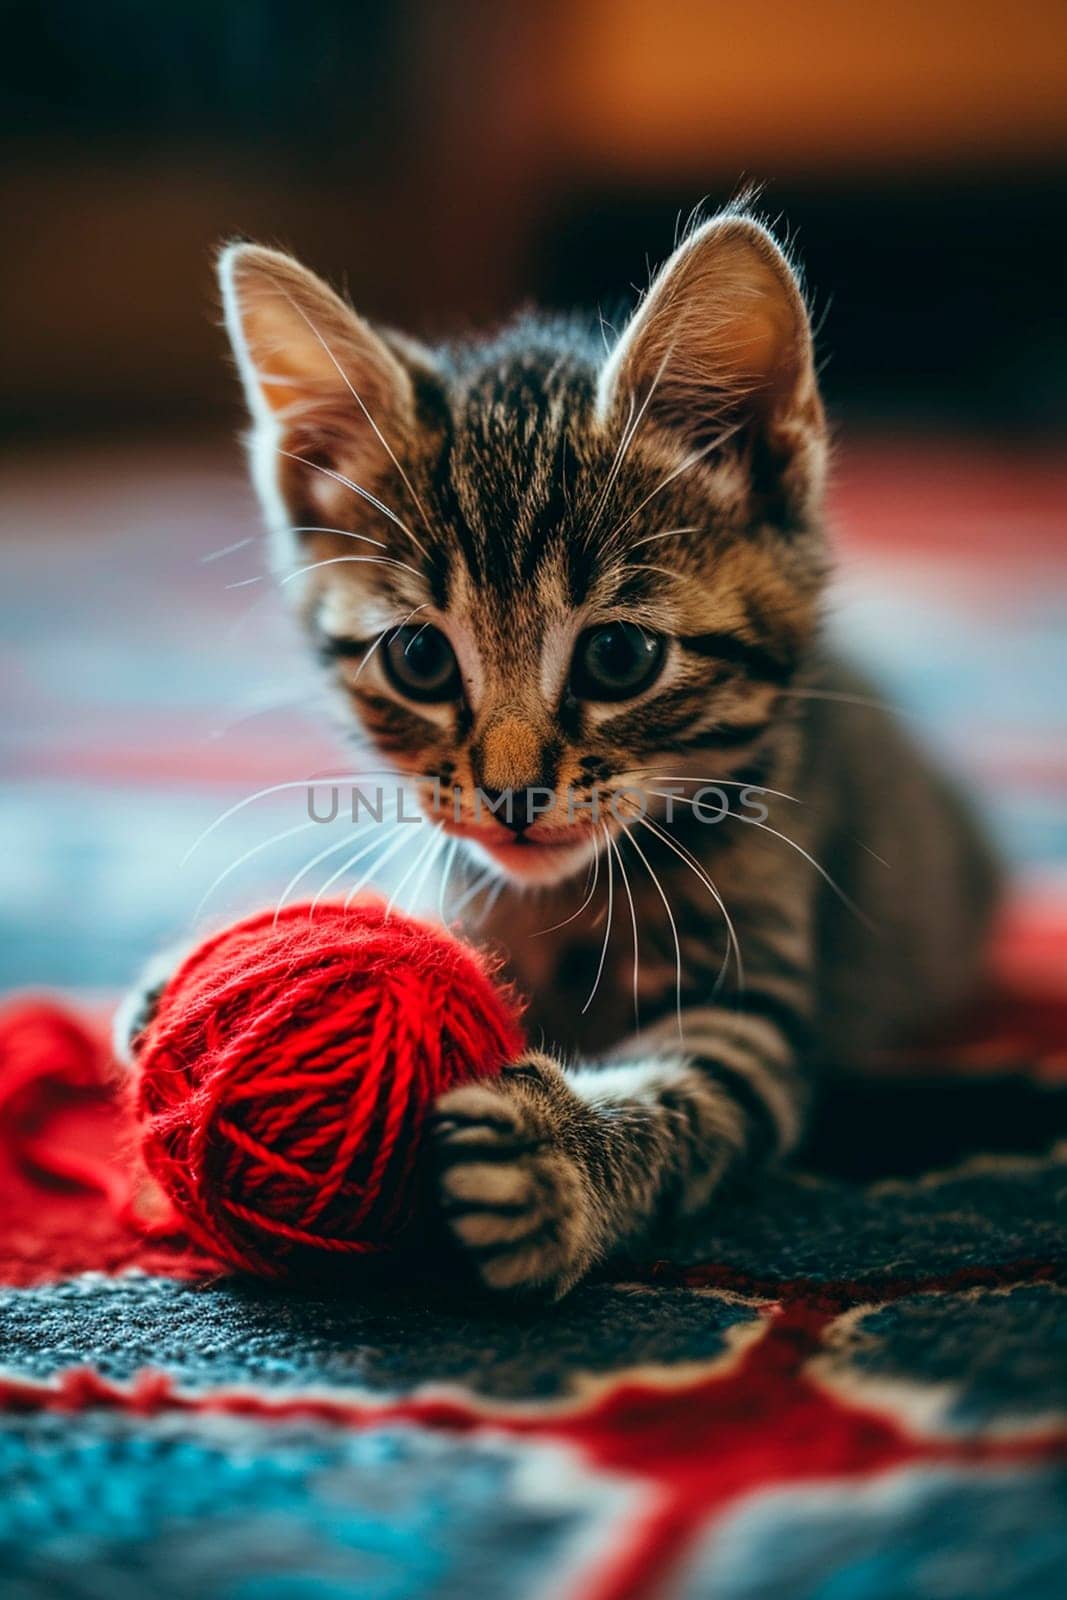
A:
(616, 662)
(421, 663)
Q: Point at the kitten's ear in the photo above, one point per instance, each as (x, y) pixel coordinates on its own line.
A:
(319, 382)
(720, 349)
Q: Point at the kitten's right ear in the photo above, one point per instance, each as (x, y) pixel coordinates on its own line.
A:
(319, 382)
(720, 352)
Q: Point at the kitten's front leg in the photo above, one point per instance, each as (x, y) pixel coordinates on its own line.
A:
(545, 1170)
(521, 1168)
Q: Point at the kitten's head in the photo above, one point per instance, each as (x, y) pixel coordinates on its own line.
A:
(534, 564)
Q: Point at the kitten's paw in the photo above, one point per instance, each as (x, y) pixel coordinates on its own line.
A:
(514, 1187)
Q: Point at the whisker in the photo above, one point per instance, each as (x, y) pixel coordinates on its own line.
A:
(375, 866)
(607, 924)
(668, 533)
(633, 924)
(286, 833)
(604, 326)
(589, 896)
(630, 433)
(364, 494)
(819, 868)
(674, 931)
(352, 861)
(690, 460)
(278, 788)
(344, 533)
(340, 561)
(425, 855)
(733, 944)
(361, 403)
(842, 698)
(755, 788)
(415, 639)
(764, 827)
(309, 866)
(718, 783)
(475, 889)
(494, 896)
(614, 463)
(228, 550)
(647, 566)
(390, 627)
(446, 874)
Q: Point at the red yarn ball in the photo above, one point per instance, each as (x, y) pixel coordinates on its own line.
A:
(284, 1081)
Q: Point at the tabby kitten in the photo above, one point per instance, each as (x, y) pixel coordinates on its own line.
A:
(535, 568)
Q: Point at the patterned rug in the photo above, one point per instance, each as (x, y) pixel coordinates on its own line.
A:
(826, 1387)
(848, 1383)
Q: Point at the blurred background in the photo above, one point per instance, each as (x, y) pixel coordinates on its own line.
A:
(445, 160)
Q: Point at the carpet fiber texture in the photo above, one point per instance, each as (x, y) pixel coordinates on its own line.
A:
(827, 1386)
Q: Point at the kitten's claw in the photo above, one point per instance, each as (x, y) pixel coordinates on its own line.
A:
(515, 1192)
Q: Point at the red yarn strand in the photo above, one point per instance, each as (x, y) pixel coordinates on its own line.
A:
(284, 1081)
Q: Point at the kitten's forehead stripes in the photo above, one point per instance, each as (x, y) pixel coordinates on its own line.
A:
(510, 445)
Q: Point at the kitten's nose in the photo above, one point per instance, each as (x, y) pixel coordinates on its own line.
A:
(517, 809)
(514, 771)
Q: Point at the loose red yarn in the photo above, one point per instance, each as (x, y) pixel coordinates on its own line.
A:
(50, 1059)
(284, 1082)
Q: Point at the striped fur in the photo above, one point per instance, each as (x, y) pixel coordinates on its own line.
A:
(514, 492)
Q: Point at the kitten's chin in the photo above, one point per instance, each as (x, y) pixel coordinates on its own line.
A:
(533, 865)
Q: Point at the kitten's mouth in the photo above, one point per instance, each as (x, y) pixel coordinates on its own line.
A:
(497, 838)
(541, 855)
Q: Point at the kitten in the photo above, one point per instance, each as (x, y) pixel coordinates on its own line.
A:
(533, 568)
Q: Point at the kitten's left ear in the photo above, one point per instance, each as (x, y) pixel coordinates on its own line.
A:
(320, 383)
(296, 341)
(720, 353)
